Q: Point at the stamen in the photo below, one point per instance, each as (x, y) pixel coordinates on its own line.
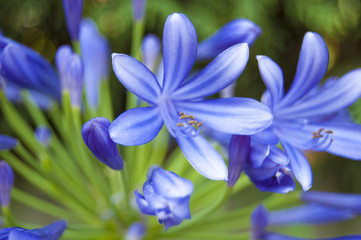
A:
(188, 126)
(320, 140)
(191, 117)
(181, 113)
(183, 117)
(200, 124)
(180, 125)
(192, 122)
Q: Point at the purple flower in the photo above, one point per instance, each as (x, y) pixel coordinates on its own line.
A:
(166, 196)
(305, 117)
(6, 183)
(52, 231)
(73, 10)
(234, 32)
(180, 104)
(96, 137)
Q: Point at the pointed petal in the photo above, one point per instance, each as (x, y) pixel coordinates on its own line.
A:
(239, 150)
(136, 77)
(53, 231)
(136, 126)
(220, 73)
(7, 142)
(330, 99)
(259, 152)
(203, 157)
(312, 66)
(234, 32)
(179, 50)
(73, 10)
(241, 116)
(259, 222)
(143, 205)
(300, 166)
(272, 76)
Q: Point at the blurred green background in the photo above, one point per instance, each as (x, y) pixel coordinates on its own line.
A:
(40, 24)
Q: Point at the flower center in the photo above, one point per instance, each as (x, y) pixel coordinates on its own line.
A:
(188, 126)
(321, 140)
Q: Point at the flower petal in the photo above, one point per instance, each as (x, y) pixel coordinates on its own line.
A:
(136, 126)
(312, 66)
(136, 77)
(7, 142)
(151, 47)
(241, 116)
(272, 76)
(343, 92)
(179, 50)
(220, 73)
(239, 150)
(73, 10)
(203, 157)
(300, 166)
(259, 152)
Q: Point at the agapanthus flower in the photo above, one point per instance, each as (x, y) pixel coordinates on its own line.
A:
(179, 103)
(151, 47)
(166, 196)
(6, 183)
(73, 10)
(95, 57)
(304, 117)
(311, 214)
(52, 231)
(96, 137)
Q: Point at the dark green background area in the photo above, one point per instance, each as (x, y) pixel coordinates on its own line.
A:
(40, 24)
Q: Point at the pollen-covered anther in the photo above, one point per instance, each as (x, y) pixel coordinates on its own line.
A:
(192, 122)
(329, 131)
(188, 126)
(183, 117)
(200, 124)
(180, 125)
(181, 113)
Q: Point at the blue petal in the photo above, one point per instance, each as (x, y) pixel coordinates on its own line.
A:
(345, 201)
(136, 231)
(6, 183)
(20, 234)
(266, 136)
(239, 150)
(7, 142)
(43, 135)
(143, 205)
(138, 9)
(259, 222)
(179, 50)
(52, 231)
(26, 68)
(220, 73)
(308, 214)
(169, 184)
(136, 77)
(136, 126)
(300, 166)
(96, 57)
(276, 236)
(241, 116)
(151, 47)
(258, 153)
(73, 12)
(180, 207)
(203, 157)
(234, 32)
(282, 183)
(328, 100)
(272, 76)
(312, 66)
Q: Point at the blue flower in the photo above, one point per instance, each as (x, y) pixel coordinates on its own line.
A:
(136, 231)
(96, 56)
(96, 137)
(311, 214)
(151, 47)
(70, 68)
(52, 231)
(6, 183)
(234, 32)
(166, 195)
(7, 142)
(43, 135)
(179, 103)
(305, 118)
(138, 9)
(73, 10)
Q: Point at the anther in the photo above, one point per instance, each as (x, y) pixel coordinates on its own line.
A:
(181, 113)
(192, 122)
(191, 117)
(322, 129)
(183, 117)
(200, 124)
(329, 131)
(180, 125)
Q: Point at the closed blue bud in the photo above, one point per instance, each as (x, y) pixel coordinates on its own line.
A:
(7, 142)
(71, 73)
(43, 135)
(96, 56)
(234, 32)
(73, 10)
(52, 231)
(166, 196)
(239, 149)
(151, 47)
(138, 9)
(136, 231)
(96, 137)
(259, 222)
(6, 183)
(27, 69)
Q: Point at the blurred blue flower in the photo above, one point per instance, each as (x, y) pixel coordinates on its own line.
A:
(43, 135)
(138, 9)
(304, 117)
(52, 231)
(136, 231)
(166, 196)
(96, 56)
(7, 142)
(6, 183)
(70, 68)
(179, 103)
(73, 10)
(96, 137)
(151, 47)
(234, 32)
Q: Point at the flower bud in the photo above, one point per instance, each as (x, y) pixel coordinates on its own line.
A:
(73, 10)
(43, 135)
(138, 9)
(6, 183)
(239, 149)
(96, 137)
(151, 47)
(166, 196)
(136, 231)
